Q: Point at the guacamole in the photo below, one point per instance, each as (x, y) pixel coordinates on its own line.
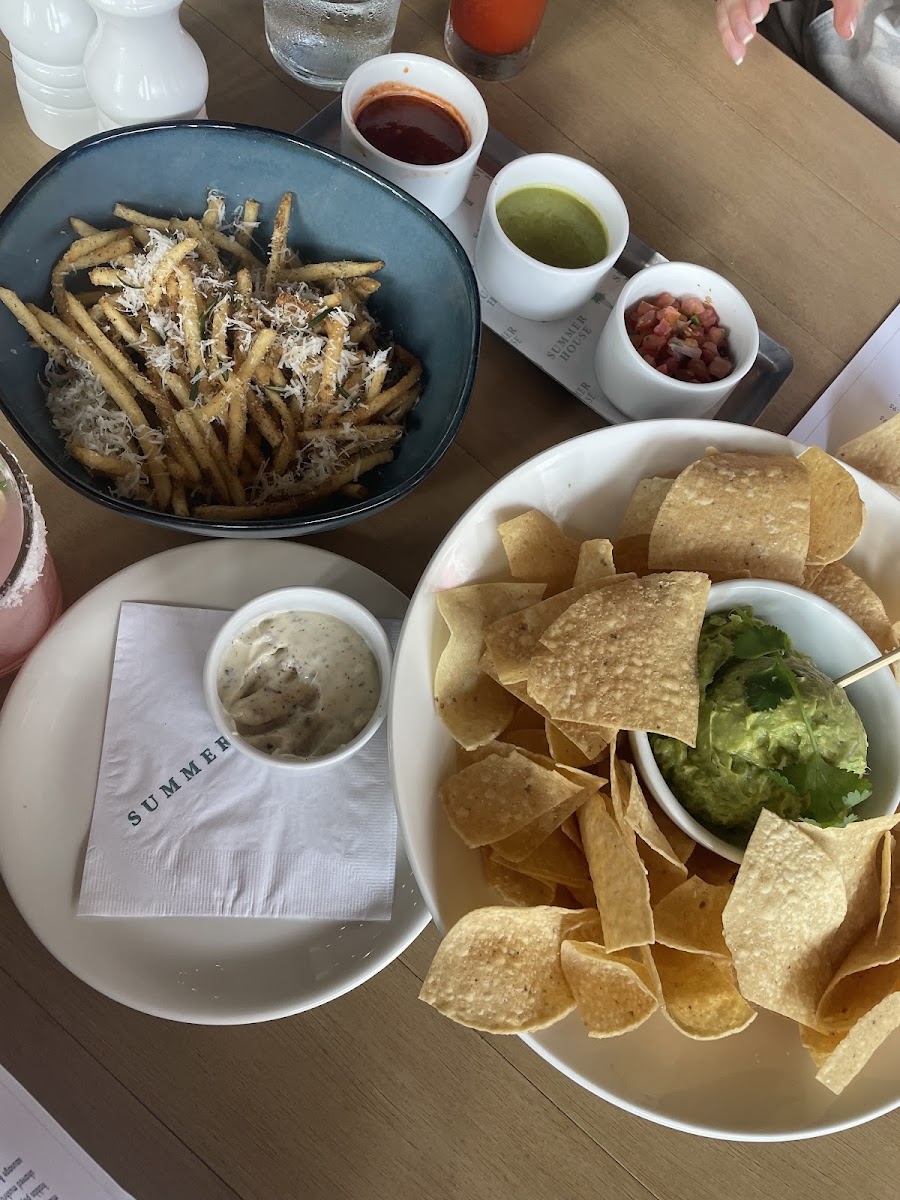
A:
(731, 774)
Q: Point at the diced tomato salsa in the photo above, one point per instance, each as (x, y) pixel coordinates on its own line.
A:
(680, 337)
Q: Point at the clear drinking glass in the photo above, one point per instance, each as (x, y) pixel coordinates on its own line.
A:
(322, 42)
(30, 598)
(492, 39)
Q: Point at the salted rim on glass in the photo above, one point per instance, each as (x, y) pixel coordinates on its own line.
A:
(26, 499)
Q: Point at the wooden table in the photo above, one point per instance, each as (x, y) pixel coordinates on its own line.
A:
(759, 172)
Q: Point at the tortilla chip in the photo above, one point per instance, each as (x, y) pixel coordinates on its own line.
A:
(514, 640)
(662, 876)
(563, 750)
(710, 867)
(690, 918)
(534, 740)
(472, 706)
(538, 551)
(498, 969)
(845, 590)
(626, 656)
(494, 798)
(783, 918)
(886, 881)
(731, 513)
(524, 891)
(819, 1046)
(698, 997)
(527, 839)
(609, 994)
(876, 453)
(855, 1050)
(557, 860)
(637, 814)
(591, 740)
(856, 852)
(811, 573)
(571, 830)
(870, 972)
(595, 563)
(643, 507)
(630, 554)
(618, 876)
(524, 717)
(836, 512)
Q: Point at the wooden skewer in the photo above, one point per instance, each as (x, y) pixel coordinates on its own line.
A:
(875, 665)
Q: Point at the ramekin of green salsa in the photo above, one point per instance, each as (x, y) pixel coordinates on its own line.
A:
(774, 730)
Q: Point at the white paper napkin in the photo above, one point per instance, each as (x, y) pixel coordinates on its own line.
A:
(186, 825)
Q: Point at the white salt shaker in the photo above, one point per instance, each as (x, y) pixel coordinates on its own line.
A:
(142, 66)
(47, 39)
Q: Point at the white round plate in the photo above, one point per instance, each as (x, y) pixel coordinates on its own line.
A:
(209, 970)
(760, 1084)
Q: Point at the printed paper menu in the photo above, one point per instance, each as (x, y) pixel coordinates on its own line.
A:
(38, 1159)
(865, 393)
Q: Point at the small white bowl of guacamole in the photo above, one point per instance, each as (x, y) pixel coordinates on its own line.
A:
(774, 730)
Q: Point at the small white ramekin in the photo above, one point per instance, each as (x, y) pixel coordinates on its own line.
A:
(522, 284)
(299, 599)
(639, 390)
(440, 187)
(837, 645)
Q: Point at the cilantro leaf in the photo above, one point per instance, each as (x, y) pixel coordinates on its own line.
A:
(767, 688)
(764, 639)
(827, 789)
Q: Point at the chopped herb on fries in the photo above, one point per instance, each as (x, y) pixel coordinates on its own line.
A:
(204, 380)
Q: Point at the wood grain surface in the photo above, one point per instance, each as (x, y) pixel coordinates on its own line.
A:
(764, 175)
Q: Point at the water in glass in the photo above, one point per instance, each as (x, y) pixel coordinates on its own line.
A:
(323, 41)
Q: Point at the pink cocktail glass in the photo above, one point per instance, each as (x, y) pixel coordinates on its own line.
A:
(30, 598)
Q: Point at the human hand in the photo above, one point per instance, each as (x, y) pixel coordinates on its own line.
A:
(738, 19)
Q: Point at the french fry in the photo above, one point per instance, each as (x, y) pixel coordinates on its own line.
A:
(91, 243)
(249, 221)
(205, 248)
(132, 376)
(278, 244)
(256, 410)
(364, 413)
(179, 501)
(234, 248)
(364, 287)
(316, 272)
(407, 402)
(287, 447)
(187, 424)
(296, 502)
(206, 446)
(165, 266)
(215, 211)
(190, 319)
(29, 322)
(102, 464)
(120, 394)
(331, 359)
(133, 217)
(239, 380)
(83, 228)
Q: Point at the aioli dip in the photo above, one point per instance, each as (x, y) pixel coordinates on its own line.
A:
(299, 684)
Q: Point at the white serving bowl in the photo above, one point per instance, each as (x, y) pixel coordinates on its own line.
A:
(530, 288)
(442, 186)
(299, 599)
(638, 389)
(837, 645)
(759, 1085)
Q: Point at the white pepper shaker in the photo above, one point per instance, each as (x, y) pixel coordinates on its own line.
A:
(142, 66)
(47, 39)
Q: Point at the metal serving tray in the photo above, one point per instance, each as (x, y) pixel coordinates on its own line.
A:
(565, 349)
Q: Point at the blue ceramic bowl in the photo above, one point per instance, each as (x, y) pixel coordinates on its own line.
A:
(428, 299)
